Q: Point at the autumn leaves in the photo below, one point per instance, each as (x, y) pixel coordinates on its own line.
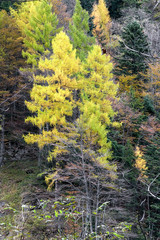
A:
(70, 75)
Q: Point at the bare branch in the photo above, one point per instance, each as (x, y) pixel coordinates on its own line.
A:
(157, 3)
(144, 54)
(16, 94)
(149, 186)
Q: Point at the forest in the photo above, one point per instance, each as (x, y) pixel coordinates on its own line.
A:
(79, 119)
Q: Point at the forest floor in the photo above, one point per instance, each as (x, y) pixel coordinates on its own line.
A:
(21, 195)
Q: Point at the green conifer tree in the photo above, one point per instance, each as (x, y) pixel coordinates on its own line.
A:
(133, 48)
(131, 62)
(152, 156)
(78, 31)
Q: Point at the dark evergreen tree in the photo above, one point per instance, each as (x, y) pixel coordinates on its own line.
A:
(133, 48)
(132, 3)
(114, 7)
(87, 5)
(11, 3)
(149, 105)
(6, 4)
(152, 155)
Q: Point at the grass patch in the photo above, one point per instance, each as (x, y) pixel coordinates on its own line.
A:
(15, 178)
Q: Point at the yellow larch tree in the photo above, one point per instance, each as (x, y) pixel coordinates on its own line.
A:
(52, 96)
(52, 101)
(96, 106)
(102, 23)
(38, 25)
(24, 12)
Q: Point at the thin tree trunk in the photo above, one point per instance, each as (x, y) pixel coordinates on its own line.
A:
(83, 221)
(90, 207)
(39, 157)
(39, 152)
(97, 204)
(2, 141)
(86, 187)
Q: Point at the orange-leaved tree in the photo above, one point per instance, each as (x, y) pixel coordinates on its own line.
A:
(10, 62)
(152, 87)
(102, 25)
(60, 9)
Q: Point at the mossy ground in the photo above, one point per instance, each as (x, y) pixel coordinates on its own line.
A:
(16, 177)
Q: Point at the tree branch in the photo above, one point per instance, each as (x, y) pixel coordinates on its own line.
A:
(157, 3)
(144, 54)
(149, 186)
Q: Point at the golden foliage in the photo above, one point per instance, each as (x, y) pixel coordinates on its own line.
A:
(25, 11)
(50, 180)
(96, 108)
(102, 23)
(152, 87)
(52, 95)
(140, 163)
(128, 81)
(38, 26)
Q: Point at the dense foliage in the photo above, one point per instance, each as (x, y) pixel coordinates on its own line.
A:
(91, 107)
(78, 31)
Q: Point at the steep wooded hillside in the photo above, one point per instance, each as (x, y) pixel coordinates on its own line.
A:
(79, 119)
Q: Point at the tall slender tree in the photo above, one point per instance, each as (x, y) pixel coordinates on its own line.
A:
(96, 108)
(152, 156)
(102, 23)
(52, 95)
(78, 31)
(53, 101)
(152, 86)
